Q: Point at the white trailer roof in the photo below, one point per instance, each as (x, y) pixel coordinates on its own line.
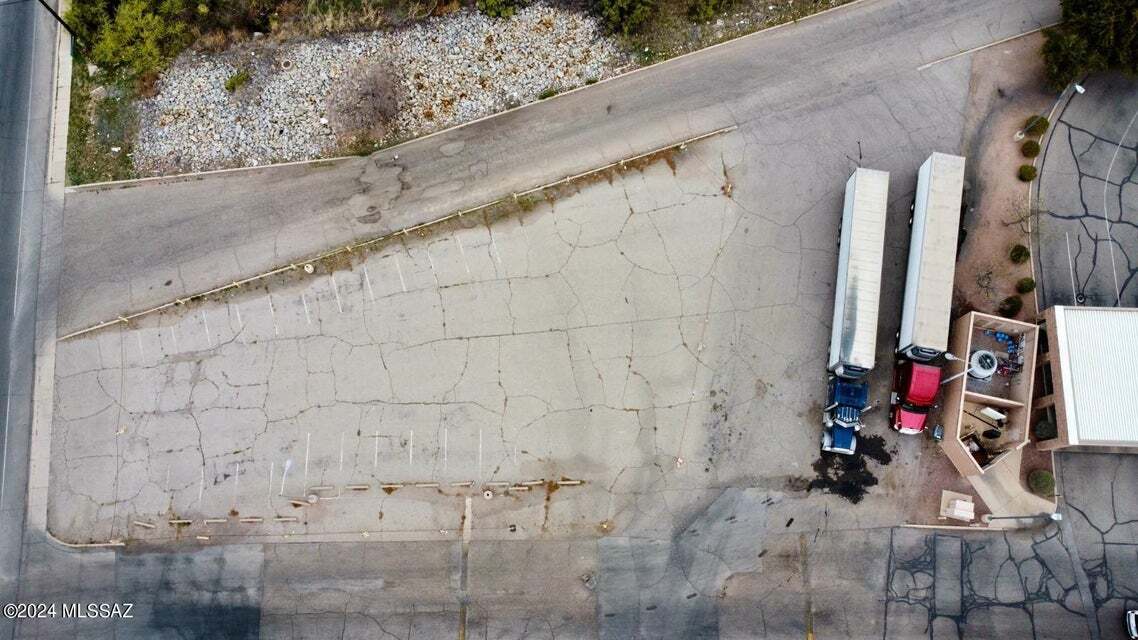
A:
(867, 192)
(940, 191)
(1097, 351)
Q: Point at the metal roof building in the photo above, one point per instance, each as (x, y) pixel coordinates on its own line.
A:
(1089, 385)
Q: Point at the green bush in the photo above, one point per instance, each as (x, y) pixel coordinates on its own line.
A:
(1010, 306)
(1045, 430)
(1095, 35)
(625, 17)
(548, 92)
(497, 8)
(1019, 254)
(1025, 285)
(141, 39)
(1041, 483)
(1030, 149)
(1036, 126)
(1027, 172)
(237, 80)
(704, 11)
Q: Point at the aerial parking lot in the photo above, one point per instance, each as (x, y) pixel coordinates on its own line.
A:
(649, 332)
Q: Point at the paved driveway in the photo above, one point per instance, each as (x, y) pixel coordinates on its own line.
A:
(1087, 231)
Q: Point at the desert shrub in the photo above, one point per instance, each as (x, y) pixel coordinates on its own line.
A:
(1025, 285)
(1019, 254)
(86, 19)
(142, 37)
(1027, 172)
(1036, 126)
(1041, 483)
(497, 8)
(548, 92)
(1030, 149)
(625, 17)
(1010, 306)
(706, 10)
(591, 80)
(1045, 430)
(237, 80)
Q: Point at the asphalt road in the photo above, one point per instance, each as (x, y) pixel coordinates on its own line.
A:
(27, 46)
(1087, 232)
(190, 234)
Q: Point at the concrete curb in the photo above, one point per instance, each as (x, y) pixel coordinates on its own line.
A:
(182, 177)
(39, 458)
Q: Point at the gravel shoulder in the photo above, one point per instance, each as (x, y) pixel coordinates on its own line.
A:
(445, 71)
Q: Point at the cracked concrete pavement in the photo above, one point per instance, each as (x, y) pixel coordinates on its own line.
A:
(865, 99)
(651, 337)
(1087, 197)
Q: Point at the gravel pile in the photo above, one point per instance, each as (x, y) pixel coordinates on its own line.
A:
(448, 70)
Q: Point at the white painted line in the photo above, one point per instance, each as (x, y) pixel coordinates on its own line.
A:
(205, 323)
(307, 446)
(272, 472)
(167, 478)
(462, 252)
(251, 520)
(1105, 185)
(341, 451)
(375, 458)
(336, 290)
(367, 281)
(981, 47)
(201, 486)
(479, 454)
(1071, 266)
(304, 300)
(444, 449)
(141, 353)
(494, 246)
(411, 449)
(215, 521)
(284, 474)
(273, 313)
(431, 261)
(236, 483)
(399, 269)
(144, 525)
(240, 323)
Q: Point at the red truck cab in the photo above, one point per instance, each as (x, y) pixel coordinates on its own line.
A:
(915, 386)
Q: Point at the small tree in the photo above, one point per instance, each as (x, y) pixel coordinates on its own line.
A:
(497, 8)
(1027, 173)
(1019, 254)
(625, 17)
(1095, 35)
(1010, 306)
(1036, 126)
(1041, 483)
(1030, 149)
(141, 38)
(1025, 285)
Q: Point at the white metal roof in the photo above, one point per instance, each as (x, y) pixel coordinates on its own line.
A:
(1098, 349)
(869, 191)
(939, 189)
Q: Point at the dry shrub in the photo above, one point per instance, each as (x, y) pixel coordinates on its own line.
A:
(215, 41)
(146, 86)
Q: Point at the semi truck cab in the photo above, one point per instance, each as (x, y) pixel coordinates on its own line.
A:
(915, 387)
(841, 420)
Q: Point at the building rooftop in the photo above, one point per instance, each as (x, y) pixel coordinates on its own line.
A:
(1098, 349)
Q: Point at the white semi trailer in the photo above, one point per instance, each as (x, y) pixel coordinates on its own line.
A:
(932, 259)
(853, 337)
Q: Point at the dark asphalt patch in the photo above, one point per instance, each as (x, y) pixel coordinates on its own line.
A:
(849, 476)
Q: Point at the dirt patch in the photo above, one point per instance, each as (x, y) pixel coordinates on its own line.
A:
(850, 476)
(363, 102)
